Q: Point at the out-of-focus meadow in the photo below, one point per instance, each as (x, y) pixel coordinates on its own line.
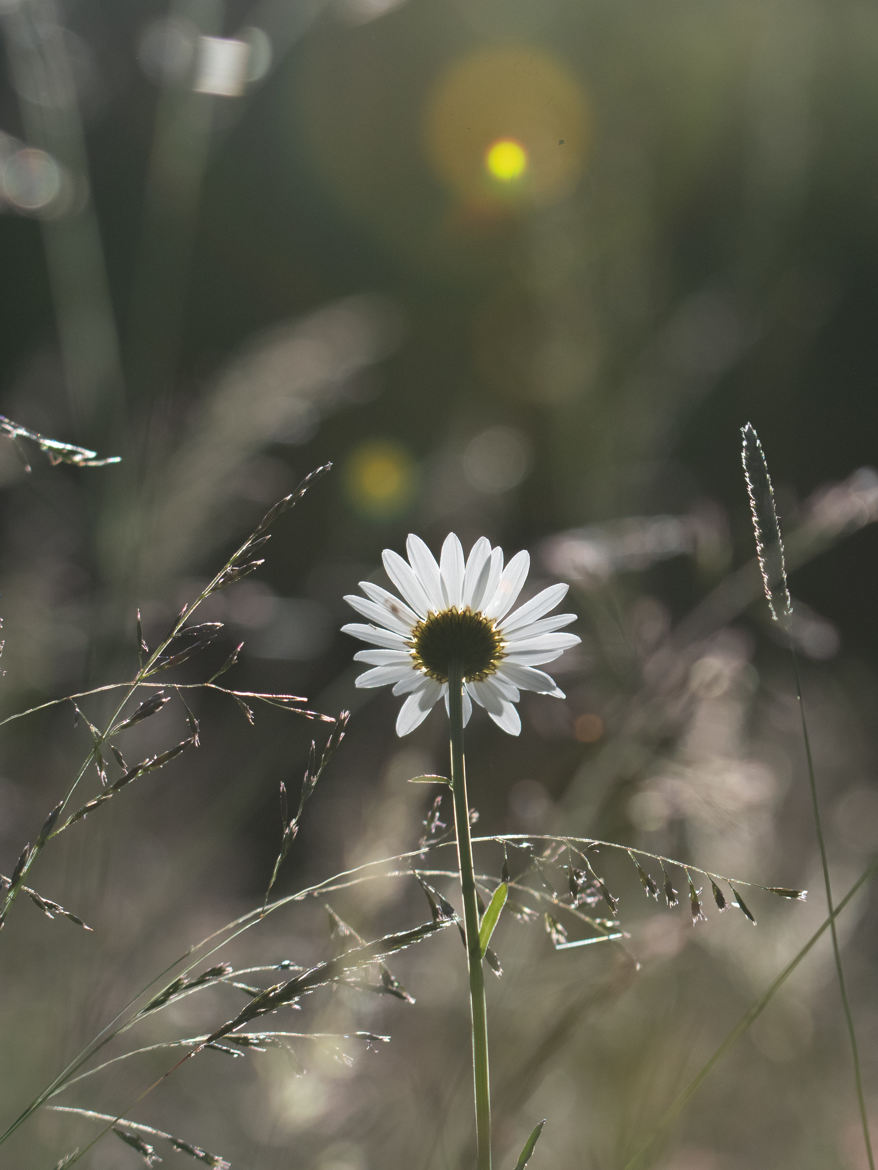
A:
(519, 269)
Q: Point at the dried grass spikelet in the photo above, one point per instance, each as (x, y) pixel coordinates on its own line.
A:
(766, 527)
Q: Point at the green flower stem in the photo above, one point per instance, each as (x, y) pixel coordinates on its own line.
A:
(478, 1010)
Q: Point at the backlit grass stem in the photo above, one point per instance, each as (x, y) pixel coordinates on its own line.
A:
(478, 1010)
(836, 947)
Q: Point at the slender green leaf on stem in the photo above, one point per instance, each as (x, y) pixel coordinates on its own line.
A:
(525, 1155)
(492, 916)
(478, 1010)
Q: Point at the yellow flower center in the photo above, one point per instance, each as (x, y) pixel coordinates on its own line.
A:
(456, 635)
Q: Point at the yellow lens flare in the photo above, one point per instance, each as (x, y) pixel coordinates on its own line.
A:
(507, 126)
(506, 160)
(380, 478)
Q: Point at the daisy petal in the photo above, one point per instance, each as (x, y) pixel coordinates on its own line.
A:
(378, 676)
(390, 601)
(405, 579)
(492, 580)
(378, 637)
(541, 642)
(417, 707)
(424, 564)
(509, 587)
(409, 682)
(545, 600)
(487, 695)
(385, 658)
(526, 678)
(410, 716)
(478, 564)
(378, 614)
(508, 720)
(545, 625)
(451, 568)
(531, 657)
(506, 688)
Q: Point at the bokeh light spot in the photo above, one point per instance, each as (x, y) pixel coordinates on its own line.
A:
(167, 49)
(222, 66)
(495, 120)
(588, 727)
(380, 478)
(497, 459)
(506, 159)
(31, 180)
(259, 58)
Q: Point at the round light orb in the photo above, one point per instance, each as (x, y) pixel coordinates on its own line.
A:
(506, 160)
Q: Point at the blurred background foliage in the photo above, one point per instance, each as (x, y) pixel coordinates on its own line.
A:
(515, 268)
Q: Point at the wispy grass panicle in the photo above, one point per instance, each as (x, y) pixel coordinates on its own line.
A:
(53, 449)
(182, 641)
(134, 1133)
(313, 772)
(766, 526)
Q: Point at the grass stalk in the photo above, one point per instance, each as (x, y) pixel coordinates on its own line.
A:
(478, 1008)
(836, 949)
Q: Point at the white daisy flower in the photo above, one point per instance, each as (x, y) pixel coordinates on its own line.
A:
(458, 611)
